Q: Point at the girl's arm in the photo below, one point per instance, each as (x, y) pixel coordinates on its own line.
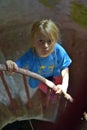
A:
(65, 81)
(62, 88)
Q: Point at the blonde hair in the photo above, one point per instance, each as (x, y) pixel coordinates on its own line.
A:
(47, 27)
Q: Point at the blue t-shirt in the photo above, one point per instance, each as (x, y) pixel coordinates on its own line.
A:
(48, 66)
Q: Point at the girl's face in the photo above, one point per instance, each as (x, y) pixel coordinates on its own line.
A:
(43, 45)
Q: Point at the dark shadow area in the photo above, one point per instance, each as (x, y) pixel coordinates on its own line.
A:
(71, 120)
(27, 125)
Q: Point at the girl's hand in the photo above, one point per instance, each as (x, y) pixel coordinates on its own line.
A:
(11, 66)
(60, 90)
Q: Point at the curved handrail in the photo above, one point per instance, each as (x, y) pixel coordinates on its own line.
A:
(47, 82)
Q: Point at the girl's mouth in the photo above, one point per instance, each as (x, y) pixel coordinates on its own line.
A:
(45, 51)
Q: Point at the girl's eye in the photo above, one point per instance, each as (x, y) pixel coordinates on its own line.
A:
(41, 41)
(49, 41)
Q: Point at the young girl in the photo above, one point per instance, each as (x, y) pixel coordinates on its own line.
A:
(46, 57)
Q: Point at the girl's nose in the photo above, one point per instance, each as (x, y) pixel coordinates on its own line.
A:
(46, 44)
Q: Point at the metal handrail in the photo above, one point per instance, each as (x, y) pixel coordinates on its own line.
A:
(25, 73)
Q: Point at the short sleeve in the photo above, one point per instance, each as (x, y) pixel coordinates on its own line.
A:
(63, 59)
(25, 59)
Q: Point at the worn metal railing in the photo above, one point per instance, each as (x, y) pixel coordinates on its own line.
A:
(25, 73)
